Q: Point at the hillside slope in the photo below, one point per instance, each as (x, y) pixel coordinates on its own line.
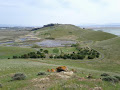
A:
(110, 48)
(71, 32)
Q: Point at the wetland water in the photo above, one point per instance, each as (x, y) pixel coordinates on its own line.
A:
(114, 30)
(55, 43)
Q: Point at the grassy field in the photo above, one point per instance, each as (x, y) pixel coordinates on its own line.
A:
(32, 66)
(61, 49)
(8, 52)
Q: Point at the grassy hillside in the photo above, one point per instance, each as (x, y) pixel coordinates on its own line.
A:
(72, 32)
(97, 35)
(110, 48)
(8, 52)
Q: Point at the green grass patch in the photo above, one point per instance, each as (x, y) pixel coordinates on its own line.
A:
(9, 52)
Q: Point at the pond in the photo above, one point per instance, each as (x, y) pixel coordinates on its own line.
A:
(9, 42)
(55, 43)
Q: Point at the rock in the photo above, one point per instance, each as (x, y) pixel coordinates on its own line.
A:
(53, 70)
(48, 70)
(61, 68)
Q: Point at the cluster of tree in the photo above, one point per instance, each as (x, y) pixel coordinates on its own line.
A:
(49, 25)
(34, 29)
(81, 54)
(39, 54)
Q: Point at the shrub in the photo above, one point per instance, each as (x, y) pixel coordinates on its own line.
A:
(55, 50)
(81, 56)
(41, 73)
(43, 55)
(110, 79)
(46, 51)
(19, 76)
(118, 77)
(0, 85)
(51, 56)
(25, 56)
(14, 57)
(104, 74)
(38, 52)
(91, 57)
(35, 46)
(74, 56)
(41, 50)
(97, 56)
(74, 45)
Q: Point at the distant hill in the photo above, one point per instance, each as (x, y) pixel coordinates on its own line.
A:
(72, 32)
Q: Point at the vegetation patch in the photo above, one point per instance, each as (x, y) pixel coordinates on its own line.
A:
(110, 79)
(81, 53)
(19, 76)
(35, 46)
(41, 73)
(118, 77)
(105, 74)
(39, 54)
(0, 85)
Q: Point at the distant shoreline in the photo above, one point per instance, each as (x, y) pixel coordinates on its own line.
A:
(110, 29)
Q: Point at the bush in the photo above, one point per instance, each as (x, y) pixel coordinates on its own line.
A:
(41, 73)
(35, 46)
(118, 77)
(38, 52)
(25, 56)
(19, 76)
(55, 50)
(46, 51)
(14, 57)
(43, 55)
(41, 50)
(110, 79)
(0, 85)
(81, 56)
(91, 57)
(51, 56)
(74, 56)
(74, 45)
(105, 74)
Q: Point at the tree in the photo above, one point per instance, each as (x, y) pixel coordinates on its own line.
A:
(14, 57)
(41, 50)
(46, 51)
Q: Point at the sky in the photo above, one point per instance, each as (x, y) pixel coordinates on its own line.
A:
(77, 12)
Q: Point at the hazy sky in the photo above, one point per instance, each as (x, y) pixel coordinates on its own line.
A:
(39, 12)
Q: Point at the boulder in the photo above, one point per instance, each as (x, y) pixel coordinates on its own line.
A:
(61, 68)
